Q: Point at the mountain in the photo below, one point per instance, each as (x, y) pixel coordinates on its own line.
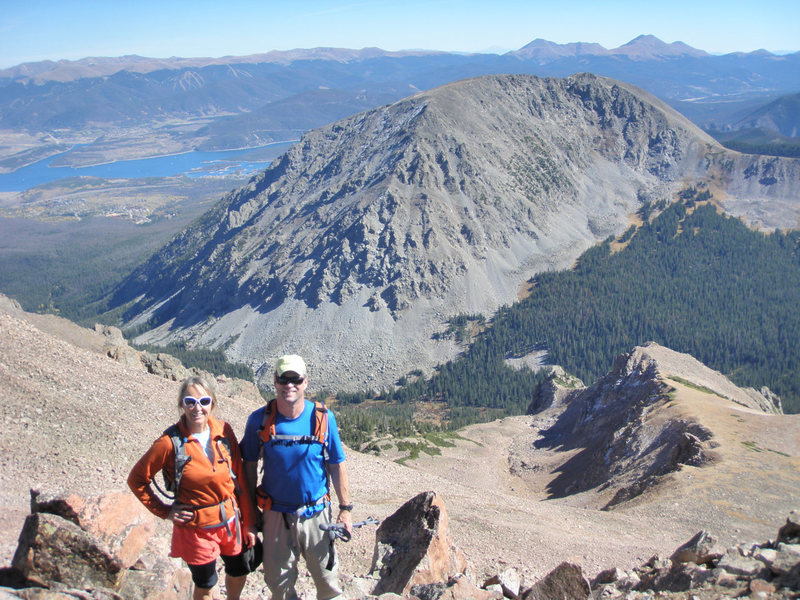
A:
(647, 47)
(92, 67)
(289, 118)
(545, 51)
(358, 244)
(781, 115)
(70, 425)
(643, 47)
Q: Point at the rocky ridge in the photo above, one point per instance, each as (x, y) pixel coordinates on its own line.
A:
(628, 429)
(355, 247)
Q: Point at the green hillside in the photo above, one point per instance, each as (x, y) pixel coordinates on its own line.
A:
(691, 279)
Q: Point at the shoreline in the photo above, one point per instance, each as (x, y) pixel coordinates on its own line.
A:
(46, 175)
(155, 156)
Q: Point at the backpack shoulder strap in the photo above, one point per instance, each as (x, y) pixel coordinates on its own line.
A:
(267, 430)
(172, 481)
(224, 439)
(320, 421)
(225, 442)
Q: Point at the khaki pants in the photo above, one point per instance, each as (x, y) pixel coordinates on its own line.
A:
(286, 538)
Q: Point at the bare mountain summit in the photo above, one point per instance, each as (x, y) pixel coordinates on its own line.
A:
(356, 246)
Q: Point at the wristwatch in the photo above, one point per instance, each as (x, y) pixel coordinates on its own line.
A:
(346, 507)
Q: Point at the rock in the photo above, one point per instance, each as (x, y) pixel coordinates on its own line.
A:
(722, 578)
(681, 578)
(164, 365)
(741, 566)
(167, 579)
(461, 588)
(90, 548)
(787, 560)
(759, 586)
(607, 576)
(508, 581)
(494, 587)
(700, 550)
(765, 555)
(118, 519)
(629, 582)
(112, 335)
(413, 547)
(428, 591)
(125, 355)
(554, 390)
(565, 582)
(790, 532)
(53, 549)
(658, 562)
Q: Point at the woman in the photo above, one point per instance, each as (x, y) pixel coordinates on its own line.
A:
(205, 513)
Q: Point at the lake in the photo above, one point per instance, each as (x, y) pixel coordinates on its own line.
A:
(191, 164)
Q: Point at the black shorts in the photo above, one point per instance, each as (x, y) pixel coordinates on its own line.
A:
(205, 576)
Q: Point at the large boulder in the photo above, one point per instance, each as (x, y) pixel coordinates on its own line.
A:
(413, 547)
(72, 547)
(53, 549)
(117, 519)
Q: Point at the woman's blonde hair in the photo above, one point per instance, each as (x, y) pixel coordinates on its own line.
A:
(197, 381)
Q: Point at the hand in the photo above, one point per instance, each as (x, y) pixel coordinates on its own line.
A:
(346, 518)
(250, 537)
(181, 514)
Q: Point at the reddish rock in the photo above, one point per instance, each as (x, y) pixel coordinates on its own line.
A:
(53, 549)
(413, 547)
(118, 519)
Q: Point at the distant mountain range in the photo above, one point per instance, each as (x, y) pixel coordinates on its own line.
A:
(358, 244)
(643, 47)
(274, 96)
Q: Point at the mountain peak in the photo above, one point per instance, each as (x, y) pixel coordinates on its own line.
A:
(546, 51)
(396, 218)
(648, 47)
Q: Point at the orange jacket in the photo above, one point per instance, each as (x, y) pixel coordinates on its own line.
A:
(204, 484)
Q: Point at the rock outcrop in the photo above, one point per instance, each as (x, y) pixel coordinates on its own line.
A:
(628, 438)
(699, 570)
(92, 548)
(413, 548)
(83, 548)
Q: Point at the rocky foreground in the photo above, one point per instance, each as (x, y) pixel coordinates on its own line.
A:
(80, 407)
(98, 548)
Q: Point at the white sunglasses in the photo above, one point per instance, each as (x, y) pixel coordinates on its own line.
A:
(190, 401)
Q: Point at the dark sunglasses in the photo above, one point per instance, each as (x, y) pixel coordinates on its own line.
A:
(295, 379)
(189, 401)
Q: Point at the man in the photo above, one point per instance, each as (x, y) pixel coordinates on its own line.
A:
(299, 443)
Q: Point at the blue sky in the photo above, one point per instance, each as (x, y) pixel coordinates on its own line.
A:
(32, 30)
